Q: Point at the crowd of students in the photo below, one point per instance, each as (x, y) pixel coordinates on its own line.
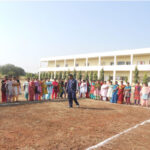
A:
(46, 89)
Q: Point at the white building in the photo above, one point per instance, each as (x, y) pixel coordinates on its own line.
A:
(117, 64)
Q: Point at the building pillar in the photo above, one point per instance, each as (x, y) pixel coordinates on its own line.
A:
(115, 60)
(54, 74)
(86, 61)
(114, 76)
(55, 62)
(131, 59)
(99, 61)
(74, 63)
(98, 74)
(65, 63)
(130, 80)
(39, 75)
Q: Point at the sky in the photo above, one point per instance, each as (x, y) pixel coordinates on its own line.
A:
(32, 30)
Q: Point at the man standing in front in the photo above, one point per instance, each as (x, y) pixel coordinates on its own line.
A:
(72, 88)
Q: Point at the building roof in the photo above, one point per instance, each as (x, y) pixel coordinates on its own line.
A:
(102, 54)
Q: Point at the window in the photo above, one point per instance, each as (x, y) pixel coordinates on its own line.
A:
(140, 62)
(77, 65)
(112, 63)
(128, 63)
(57, 65)
(66, 65)
(120, 63)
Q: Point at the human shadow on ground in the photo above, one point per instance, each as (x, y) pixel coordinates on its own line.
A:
(94, 108)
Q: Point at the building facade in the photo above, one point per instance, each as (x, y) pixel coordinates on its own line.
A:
(116, 64)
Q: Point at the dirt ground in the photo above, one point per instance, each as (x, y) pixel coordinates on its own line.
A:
(54, 126)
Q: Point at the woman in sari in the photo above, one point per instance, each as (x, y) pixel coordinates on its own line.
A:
(44, 89)
(88, 89)
(92, 90)
(121, 93)
(127, 95)
(55, 89)
(104, 90)
(98, 90)
(31, 90)
(110, 91)
(15, 85)
(137, 95)
(145, 93)
(49, 89)
(115, 93)
(37, 90)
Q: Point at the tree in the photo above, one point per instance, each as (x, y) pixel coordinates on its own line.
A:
(136, 75)
(64, 75)
(53, 75)
(74, 74)
(126, 79)
(145, 79)
(91, 76)
(95, 76)
(86, 76)
(56, 75)
(79, 77)
(102, 75)
(68, 73)
(10, 69)
(49, 75)
(60, 75)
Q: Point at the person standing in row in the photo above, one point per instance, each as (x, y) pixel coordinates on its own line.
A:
(49, 89)
(121, 93)
(72, 88)
(115, 93)
(127, 93)
(145, 94)
(104, 90)
(26, 89)
(137, 95)
(31, 90)
(110, 91)
(15, 85)
(36, 83)
(3, 90)
(9, 89)
(55, 89)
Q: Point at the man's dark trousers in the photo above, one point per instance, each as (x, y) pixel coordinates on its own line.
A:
(71, 97)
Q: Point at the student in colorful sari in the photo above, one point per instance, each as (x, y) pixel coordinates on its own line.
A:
(88, 89)
(104, 90)
(83, 89)
(145, 92)
(127, 93)
(9, 88)
(49, 89)
(55, 89)
(44, 89)
(137, 95)
(31, 90)
(110, 91)
(37, 89)
(61, 89)
(121, 93)
(3, 90)
(98, 90)
(15, 85)
(26, 89)
(92, 90)
(115, 93)
(40, 90)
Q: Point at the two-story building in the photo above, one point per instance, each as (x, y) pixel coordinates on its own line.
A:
(117, 64)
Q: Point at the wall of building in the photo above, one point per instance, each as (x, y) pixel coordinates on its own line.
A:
(81, 62)
(106, 61)
(70, 63)
(51, 64)
(138, 58)
(93, 61)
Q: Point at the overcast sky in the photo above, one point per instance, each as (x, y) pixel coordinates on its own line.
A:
(31, 30)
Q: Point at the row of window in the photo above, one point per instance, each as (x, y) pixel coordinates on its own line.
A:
(112, 63)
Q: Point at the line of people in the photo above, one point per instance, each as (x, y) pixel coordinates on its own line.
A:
(45, 90)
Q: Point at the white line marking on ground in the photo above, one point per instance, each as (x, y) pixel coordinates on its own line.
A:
(117, 135)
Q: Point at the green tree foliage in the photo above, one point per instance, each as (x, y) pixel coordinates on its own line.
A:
(95, 76)
(79, 77)
(86, 76)
(60, 75)
(91, 76)
(136, 75)
(13, 70)
(64, 75)
(126, 79)
(53, 75)
(102, 75)
(145, 79)
(56, 75)
(74, 74)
